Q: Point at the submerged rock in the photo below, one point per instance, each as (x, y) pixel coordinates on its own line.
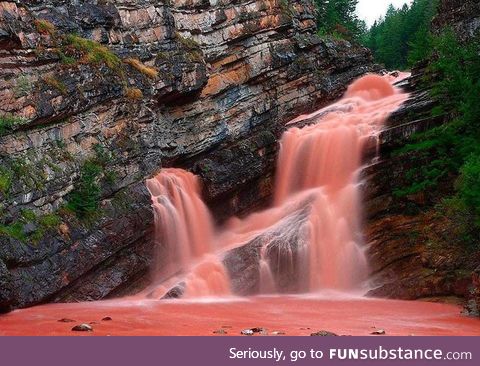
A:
(66, 320)
(219, 331)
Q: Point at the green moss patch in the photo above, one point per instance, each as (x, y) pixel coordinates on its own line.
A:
(93, 52)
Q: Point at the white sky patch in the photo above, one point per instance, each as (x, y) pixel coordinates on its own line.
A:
(371, 10)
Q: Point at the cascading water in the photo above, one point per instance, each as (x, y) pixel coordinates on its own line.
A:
(311, 238)
(184, 234)
(182, 221)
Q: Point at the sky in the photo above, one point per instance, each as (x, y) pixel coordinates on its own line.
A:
(371, 10)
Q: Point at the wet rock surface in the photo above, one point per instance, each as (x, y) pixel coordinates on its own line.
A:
(207, 87)
(285, 243)
(324, 333)
(176, 292)
(407, 264)
(247, 332)
(82, 328)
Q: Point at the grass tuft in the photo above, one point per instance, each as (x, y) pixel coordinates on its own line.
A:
(44, 27)
(94, 52)
(8, 122)
(148, 71)
(133, 93)
(55, 83)
(5, 180)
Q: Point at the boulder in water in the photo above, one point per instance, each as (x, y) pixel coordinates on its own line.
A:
(176, 292)
(284, 244)
(258, 330)
(247, 332)
(82, 328)
(324, 333)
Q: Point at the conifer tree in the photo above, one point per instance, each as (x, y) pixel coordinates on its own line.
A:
(338, 18)
(402, 37)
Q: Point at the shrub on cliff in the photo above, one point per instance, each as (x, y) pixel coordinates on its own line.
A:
(6, 123)
(84, 200)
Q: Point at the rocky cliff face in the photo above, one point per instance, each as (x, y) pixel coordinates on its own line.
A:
(412, 250)
(98, 95)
